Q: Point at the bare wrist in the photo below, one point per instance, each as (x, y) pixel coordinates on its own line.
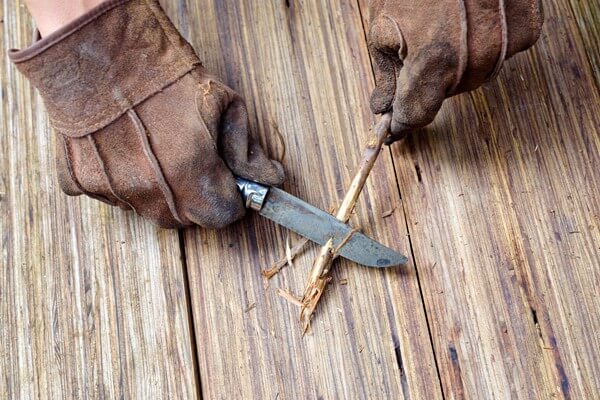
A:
(51, 15)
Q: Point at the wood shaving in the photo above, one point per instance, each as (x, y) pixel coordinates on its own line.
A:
(281, 139)
(288, 252)
(278, 265)
(286, 294)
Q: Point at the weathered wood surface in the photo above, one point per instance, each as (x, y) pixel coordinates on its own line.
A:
(92, 300)
(501, 196)
(587, 14)
(304, 71)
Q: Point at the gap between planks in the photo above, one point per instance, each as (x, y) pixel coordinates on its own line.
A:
(412, 253)
(190, 314)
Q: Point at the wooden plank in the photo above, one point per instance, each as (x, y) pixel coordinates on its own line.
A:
(502, 195)
(304, 70)
(92, 300)
(587, 14)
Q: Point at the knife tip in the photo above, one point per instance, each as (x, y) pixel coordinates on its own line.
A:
(386, 262)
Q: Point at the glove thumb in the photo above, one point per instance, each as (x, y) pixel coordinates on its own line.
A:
(421, 87)
(387, 49)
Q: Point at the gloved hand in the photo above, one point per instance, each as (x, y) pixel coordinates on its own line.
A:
(140, 123)
(428, 50)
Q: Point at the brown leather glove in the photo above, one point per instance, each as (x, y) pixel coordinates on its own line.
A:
(428, 50)
(140, 123)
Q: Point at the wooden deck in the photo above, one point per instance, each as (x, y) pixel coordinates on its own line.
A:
(497, 203)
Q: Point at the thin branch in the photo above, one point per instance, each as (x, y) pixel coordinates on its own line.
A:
(319, 275)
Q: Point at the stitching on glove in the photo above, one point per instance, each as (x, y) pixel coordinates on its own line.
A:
(92, 141)
(463, 56)
(72, 128)
(504, 49)
(67, 151)
(38, 47)
(170, 75)
(402, 50)
(160, 177)
(207, 131)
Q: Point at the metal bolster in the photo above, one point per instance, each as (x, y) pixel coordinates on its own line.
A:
(254, 194)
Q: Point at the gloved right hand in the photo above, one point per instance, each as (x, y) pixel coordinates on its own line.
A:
(140, 123)
(427, 50)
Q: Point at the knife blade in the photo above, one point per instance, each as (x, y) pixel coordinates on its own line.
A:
(316, 225)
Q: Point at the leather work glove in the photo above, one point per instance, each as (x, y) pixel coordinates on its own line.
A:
(140, 123)
(428, 50)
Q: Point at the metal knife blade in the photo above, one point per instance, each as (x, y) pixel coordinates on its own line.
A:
(316, 225)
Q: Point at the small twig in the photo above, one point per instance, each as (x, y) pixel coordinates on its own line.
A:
(319, 275)
(296, 249)
(286, 294)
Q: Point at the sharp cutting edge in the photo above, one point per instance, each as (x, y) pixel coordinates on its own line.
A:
(316, 225)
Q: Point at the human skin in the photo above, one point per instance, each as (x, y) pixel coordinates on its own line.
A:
(51, 15)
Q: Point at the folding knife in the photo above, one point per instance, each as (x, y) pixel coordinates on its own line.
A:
(316, 225)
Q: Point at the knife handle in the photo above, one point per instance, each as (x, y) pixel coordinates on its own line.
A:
(253, 193)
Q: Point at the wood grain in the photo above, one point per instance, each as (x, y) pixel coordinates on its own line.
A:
(305, 72)
(587, 14)
(502, 196)
(92, 299)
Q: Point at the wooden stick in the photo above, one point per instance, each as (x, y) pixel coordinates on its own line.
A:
(319, 275)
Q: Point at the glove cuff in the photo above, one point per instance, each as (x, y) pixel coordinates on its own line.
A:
(109, 60)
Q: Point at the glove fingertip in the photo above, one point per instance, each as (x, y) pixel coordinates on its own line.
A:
(268, 173)
(398, 130)
(381, 100)
(274, 175)
(277, 176)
